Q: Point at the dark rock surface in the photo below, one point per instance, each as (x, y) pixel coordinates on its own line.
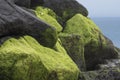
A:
(16, 21)
(23, 3)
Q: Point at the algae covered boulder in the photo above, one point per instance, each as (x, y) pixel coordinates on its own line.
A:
(48, 16)
(74, 45)
(25, 59)
(96, 46)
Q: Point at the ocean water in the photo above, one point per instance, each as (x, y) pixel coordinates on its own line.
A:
(110, 26)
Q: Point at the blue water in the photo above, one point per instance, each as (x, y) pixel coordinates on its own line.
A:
(110, 28)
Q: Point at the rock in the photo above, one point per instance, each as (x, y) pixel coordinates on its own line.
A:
(110, 63)
(74, 46)
(63, 8)
(97, 47)
(16, 21)
(25, 59)
(49, 17)
(107, 74)
(99, 53)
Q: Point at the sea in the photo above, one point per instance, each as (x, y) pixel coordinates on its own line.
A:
(110, 27)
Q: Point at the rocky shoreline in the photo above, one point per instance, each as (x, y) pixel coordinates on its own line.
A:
(53, 40)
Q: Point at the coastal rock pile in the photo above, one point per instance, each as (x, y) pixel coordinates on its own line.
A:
(53, 40)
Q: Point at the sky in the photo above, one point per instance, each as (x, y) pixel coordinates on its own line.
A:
(102, 8)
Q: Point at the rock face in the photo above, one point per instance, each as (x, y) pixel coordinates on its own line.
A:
(34, 46)
(16, 21)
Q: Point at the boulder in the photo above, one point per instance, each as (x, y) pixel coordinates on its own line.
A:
(25, 59)
(15, 21)
(74, 45)
(104, 74)
(97, 47)
(48, 16)
(97, 54)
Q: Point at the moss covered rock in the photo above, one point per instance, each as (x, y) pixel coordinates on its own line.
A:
(26, 59)
(96, 46)
(74, 45)
(22, 22)
(48, 16)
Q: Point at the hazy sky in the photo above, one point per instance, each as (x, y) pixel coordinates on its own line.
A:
(104, 8)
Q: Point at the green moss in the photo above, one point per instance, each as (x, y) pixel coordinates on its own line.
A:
(26, 59)
(83, 26)
(95, 44)
(48, 16)
(91, 42)
(87, 29)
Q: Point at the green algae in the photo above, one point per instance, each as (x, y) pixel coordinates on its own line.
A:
(88, 31)
(95, 43)
(83, 26)
(26, 59)
(48, 16)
